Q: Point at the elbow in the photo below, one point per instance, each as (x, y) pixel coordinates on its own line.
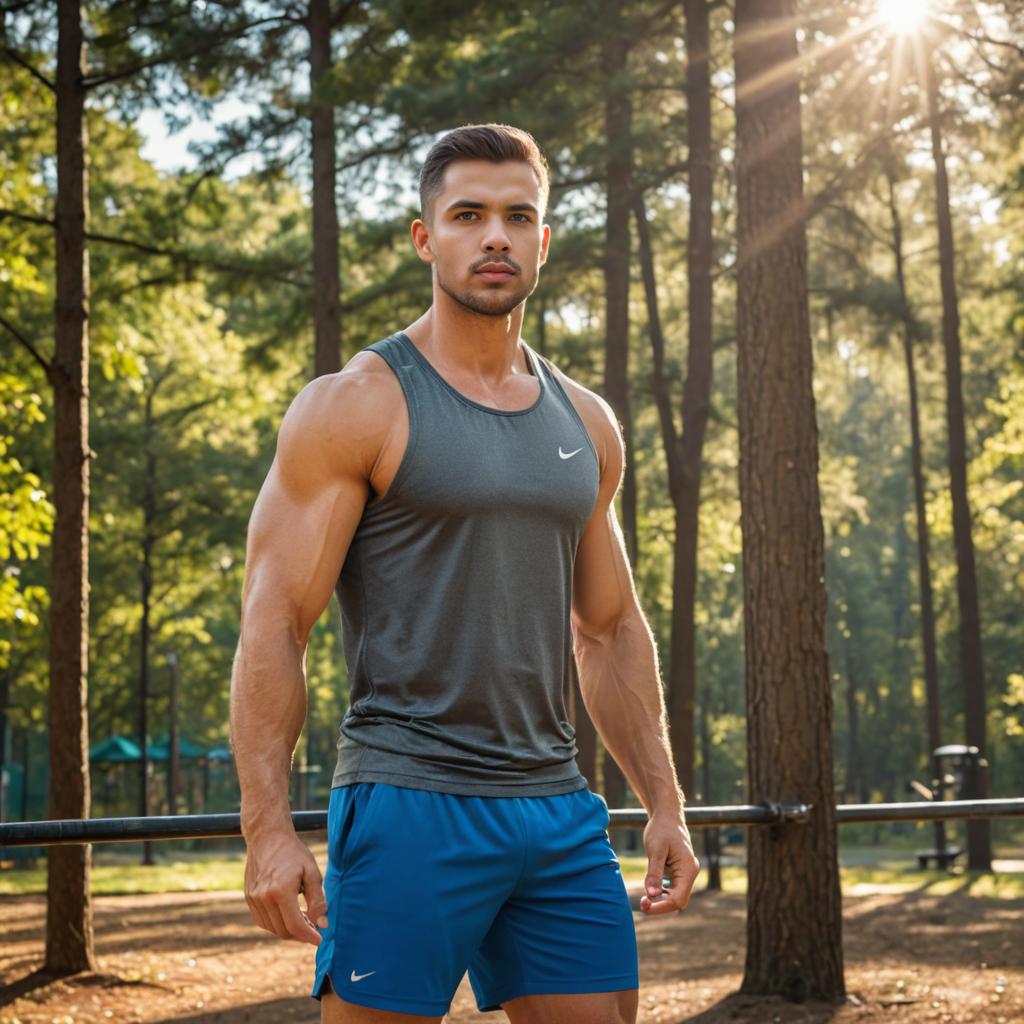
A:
(269, 618)
(606, 628)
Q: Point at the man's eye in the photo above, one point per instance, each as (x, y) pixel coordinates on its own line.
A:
(471, 213)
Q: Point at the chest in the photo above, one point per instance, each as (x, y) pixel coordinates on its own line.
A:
(541, 465)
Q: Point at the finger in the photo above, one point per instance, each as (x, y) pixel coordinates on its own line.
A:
(679, 893)
(257, 913)
(313, 892)
(655, 872)
(659, 906)
(295, 924)
(273, 915)
(675, 895)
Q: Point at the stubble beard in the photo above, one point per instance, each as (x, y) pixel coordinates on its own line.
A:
(493, 302)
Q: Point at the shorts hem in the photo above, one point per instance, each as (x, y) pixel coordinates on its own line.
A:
(578, 986)
(399, 1004)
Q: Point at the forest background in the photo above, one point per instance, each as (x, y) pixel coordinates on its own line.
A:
(205, 289)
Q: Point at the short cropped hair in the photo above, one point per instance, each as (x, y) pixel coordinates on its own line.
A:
(494, 142)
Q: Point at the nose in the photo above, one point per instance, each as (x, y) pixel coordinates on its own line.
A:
(496, 237)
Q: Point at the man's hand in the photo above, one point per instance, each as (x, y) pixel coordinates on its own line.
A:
(669, 852)
(277, 868)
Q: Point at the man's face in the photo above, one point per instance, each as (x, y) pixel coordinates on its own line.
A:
(486, 238)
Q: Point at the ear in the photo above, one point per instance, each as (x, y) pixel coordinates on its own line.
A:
(545, 241)
(421, 240)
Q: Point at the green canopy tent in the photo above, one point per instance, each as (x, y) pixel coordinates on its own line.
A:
(187, 750)
(115, 749)
(110, 756)
(120, 750)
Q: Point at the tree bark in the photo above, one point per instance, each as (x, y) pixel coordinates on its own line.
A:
(979, 846)
(794, 919)
(326, 272)
(69, 931)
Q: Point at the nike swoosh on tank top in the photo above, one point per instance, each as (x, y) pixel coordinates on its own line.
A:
(455, 594)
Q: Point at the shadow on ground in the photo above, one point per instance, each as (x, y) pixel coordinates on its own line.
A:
(275, 1009)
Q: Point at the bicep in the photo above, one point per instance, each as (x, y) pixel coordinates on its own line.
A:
(302, 523)
(603, 590)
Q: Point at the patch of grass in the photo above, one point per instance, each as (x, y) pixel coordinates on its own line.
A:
(863, 879)
(997, 885)
(212, 875)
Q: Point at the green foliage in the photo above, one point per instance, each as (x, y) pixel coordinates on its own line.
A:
(200, 334)
(26, 516)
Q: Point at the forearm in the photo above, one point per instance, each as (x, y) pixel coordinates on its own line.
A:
(621, 689)
(268, 709)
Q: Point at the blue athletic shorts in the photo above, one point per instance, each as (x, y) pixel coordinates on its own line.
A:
(523, 892)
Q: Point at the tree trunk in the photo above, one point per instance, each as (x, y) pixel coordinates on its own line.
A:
(26, 764)
(326, 273)
(614, 787)
(712, 836)
(979, 846)
(69, 933)
(618, 132)
(924, 574)
(145, 596)
(173, 764)
(794, 920)
(696, 395)
(854, 789)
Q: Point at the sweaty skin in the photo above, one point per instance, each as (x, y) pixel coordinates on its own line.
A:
(338, 448)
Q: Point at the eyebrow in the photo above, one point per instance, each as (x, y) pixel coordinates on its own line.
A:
(471, 204)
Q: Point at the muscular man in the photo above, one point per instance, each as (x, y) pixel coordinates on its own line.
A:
(456, 490)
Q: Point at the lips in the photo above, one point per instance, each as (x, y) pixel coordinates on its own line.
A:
(496, 271)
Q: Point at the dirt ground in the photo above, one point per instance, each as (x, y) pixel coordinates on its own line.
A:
(197, 958)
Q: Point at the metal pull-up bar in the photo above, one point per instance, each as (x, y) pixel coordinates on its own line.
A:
(217, 826)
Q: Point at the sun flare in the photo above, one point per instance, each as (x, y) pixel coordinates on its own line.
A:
(903, 16)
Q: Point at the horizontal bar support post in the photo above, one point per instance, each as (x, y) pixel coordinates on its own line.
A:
(219, 826)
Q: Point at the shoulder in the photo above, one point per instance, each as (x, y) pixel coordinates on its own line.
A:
(600, 420)
(340, 421)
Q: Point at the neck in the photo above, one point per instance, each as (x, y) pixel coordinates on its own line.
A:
(485, 346)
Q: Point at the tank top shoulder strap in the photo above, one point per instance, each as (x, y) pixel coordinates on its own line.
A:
(422, 385)
(392, 351)
(409, 375)
(555, 385)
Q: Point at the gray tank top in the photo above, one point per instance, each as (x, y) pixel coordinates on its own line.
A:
(455, 594)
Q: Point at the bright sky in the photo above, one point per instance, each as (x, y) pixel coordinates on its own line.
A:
(169, 153)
